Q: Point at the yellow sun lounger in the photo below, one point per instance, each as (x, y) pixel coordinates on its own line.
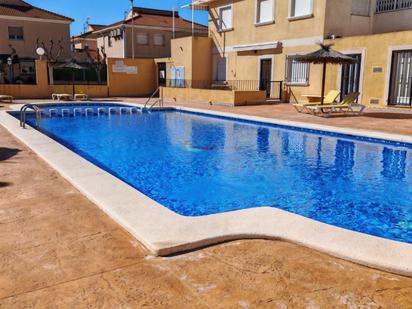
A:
(6, 98)
(330, 98)
(348, 105)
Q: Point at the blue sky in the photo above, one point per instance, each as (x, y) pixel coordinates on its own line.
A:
(108, 11)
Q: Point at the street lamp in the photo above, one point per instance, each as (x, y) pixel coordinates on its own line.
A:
(132, 10)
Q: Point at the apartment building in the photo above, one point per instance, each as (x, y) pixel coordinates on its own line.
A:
(21, 26)
(146, 33)
(256, 40)
(86, 40)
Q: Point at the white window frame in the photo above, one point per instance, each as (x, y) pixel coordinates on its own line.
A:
(309, 15)
(147, 36)
(159, 35)
(219, 25)
(293, 83)
(259, 23)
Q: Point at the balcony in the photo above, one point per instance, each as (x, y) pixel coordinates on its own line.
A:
(383, 6)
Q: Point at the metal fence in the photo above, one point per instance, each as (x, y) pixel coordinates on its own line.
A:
(274, 89)
(87, 76)
(392, 5)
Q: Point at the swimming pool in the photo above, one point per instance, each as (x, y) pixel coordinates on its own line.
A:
(199, 165)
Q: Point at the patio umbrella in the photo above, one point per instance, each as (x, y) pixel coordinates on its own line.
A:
(324, 56)
(72, 65)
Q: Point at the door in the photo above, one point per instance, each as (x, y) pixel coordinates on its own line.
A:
(351, 76)
(177, 77)
(221, 69)
(400, 92)
(265, 76)
(161, 69)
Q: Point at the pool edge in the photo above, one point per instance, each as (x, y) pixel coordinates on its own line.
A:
(173, 233)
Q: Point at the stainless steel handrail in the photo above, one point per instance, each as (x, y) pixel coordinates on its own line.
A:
(23, 115)
(160, 100)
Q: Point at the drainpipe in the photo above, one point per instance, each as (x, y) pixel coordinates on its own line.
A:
(193, 18)
(132, 3)
(174, 24)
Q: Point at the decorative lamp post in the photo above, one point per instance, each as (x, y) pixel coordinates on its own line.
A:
(10, 65)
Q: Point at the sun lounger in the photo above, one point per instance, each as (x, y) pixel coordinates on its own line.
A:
(81, 96)
(61, 96)
(6, 98)
(348, 105)
(330, 98)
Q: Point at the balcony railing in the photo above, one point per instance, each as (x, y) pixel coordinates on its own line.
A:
(274, 89)
(392, 5)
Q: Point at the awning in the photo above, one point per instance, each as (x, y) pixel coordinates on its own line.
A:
(198, 5)
(257, 46)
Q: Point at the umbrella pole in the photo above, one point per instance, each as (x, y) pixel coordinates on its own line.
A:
(323, 84)
(73, 86)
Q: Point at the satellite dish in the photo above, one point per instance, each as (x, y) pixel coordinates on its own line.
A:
(40, 51)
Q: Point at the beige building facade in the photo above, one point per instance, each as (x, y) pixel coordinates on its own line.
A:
(86, 41)
(254, 42)
(21, 25)
(146, 33)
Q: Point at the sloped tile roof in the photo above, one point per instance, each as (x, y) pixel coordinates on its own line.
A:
(158, 18)
(18, 8)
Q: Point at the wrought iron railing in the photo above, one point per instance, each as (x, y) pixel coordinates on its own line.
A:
(392, 5)
(274, 89)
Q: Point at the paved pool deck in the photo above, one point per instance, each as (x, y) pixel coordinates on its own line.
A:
(58, 249)
(387, 120)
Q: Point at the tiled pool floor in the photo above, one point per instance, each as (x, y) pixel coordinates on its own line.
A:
(58, 249)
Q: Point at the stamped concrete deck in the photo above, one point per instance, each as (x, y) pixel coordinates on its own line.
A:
(58, 250)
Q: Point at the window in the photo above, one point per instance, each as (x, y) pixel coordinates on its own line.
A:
(158, 39)
(16, 33)
(264, 11)
(392, 5)
(361, 7)
(109, 41)
(296, 72)
(300, 8)
(142, 39)
(225, 18)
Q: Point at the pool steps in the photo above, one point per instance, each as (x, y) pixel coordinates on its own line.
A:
(88, 111)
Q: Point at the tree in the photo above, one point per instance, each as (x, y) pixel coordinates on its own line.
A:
(51, 54)
(98, 63)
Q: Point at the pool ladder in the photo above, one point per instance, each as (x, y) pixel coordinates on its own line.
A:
(148, 106)
(23, 115)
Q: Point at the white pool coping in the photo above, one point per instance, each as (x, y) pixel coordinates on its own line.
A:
(164, 232)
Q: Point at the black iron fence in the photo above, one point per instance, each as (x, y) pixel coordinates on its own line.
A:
(87, 76)
(274, 89)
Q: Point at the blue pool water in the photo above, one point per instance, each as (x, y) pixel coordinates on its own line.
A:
(200, 165)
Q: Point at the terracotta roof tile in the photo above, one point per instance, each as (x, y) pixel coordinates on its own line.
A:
(159, 18)
(18, 8)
